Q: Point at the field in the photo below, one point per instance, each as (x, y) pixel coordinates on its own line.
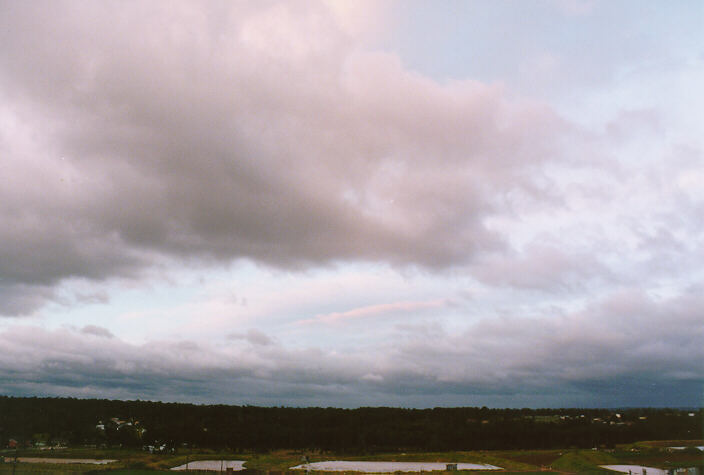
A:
(137, 462)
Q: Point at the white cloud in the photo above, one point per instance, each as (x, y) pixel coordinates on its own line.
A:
(228, 134)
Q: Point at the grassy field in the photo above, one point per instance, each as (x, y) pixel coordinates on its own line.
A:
(523, 462)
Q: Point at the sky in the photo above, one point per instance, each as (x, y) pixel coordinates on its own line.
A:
(368, 203)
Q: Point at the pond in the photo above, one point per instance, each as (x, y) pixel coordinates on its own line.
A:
(387, 467)
(211, 465)
(635, 469)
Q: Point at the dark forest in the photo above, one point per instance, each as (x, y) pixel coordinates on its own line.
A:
(68, 421)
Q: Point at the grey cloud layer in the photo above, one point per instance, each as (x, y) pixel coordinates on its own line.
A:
(617, 352)
(214, 130)
(135, 137)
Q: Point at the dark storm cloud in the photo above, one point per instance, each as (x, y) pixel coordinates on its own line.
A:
(220, 131)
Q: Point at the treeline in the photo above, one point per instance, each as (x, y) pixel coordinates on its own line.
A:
(363, 430)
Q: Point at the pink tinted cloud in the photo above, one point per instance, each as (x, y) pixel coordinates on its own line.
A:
(374, 310)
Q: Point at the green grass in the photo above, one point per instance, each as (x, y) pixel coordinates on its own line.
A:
(524, 473)
(128, 472)
(28, 468)
(584, 461)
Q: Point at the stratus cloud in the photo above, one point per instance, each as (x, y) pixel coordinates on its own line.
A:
(600, 355)
(254, 337)
(214, 130)
(621, 336)
(97, 331)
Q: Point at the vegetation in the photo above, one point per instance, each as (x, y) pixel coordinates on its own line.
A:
(582, 461)
(171, 426)
(150, 436)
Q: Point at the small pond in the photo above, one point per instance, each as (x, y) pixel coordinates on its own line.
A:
(635, 469)
(387, 467)
(212, 465)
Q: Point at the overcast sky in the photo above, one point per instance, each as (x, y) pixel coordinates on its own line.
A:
(358, 203)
